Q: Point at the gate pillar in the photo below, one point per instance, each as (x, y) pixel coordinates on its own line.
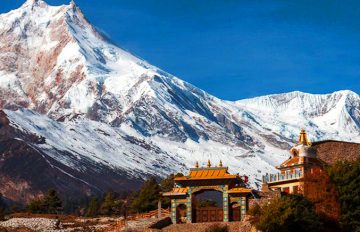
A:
(189, 207)
(226, 206)
(243, 207)
(173, 211)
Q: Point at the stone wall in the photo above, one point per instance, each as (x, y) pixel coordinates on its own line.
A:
(243, 226)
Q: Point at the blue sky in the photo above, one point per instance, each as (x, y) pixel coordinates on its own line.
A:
(237, 49)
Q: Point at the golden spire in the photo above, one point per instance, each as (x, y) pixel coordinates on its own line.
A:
(208, 164)
(197, 164)
(303, 138)
(220, 164)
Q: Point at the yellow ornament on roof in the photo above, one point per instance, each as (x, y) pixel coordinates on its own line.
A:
(208, 164)
(197, 164)
(220, 164)
(303, 139)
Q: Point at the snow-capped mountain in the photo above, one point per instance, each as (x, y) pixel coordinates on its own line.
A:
(91, 102)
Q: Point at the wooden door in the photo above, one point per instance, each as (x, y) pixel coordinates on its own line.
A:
(209, 214)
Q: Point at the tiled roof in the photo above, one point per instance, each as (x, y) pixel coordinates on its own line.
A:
(176, 191)
(208, 173)
(293, 161)
(297, 161)
(239, 190)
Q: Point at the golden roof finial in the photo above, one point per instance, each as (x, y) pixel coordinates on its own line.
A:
(197, 164)
(220, 164)
(208, 164)
(303, 139)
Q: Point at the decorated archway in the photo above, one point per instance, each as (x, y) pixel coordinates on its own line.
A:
(208, 206)
(234, 211)
(231, 188)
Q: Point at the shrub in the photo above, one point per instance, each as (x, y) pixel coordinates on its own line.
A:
(255, 212)
(289, 213)
(50, 203)
(346, 176)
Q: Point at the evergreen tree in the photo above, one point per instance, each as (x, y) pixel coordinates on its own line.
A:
(167, 185)
(148, 196)
(93, 208)
(110, 205)
(36, 206)
(50, 203)
(346, 176)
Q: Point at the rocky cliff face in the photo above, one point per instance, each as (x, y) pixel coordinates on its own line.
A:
(333, 151)
(26, 172)
(94, 115)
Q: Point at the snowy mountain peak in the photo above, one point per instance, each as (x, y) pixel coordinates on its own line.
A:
(72, 3)
(33, 3)
(89, 99)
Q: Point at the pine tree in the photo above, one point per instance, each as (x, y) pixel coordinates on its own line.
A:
(106, 205)
(52, 202)
(110, 205)
(35, 206)
(93, 208)
(167, 185)
(148, 196)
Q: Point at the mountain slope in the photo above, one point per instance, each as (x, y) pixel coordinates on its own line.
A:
(98, 109)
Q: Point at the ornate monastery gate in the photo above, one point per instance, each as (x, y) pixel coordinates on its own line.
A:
(234, 195)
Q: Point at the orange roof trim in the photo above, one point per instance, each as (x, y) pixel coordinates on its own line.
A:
(290, 162)
(176, 191)
(207, 173)
(239, 190)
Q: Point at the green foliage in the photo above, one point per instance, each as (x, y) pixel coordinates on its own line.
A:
(93, 208)
(36, 206)
(50, 203)
(289, 213)
(346, 176)
(148, 196)
(110, 205)
(167, 185)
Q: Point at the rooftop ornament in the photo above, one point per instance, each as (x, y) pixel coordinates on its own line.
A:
(208, 164)
(303, 139)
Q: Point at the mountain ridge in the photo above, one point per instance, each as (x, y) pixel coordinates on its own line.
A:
(94, 104)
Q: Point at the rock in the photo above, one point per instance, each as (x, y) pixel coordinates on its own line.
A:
(37, 224)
